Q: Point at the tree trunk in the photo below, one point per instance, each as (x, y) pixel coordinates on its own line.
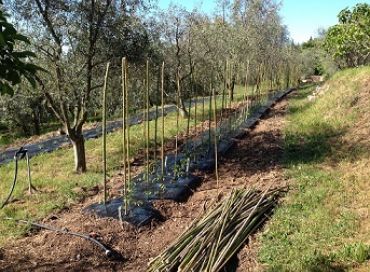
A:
(232, 87)
(182, 108)
(78, 143)
(36, 121)
(25, 129)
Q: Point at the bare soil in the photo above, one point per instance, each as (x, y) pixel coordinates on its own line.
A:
(253, 161)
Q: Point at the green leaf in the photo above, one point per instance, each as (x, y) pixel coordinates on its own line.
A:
(2, 40)
(22, 38)
(24, 54)
(6, 89)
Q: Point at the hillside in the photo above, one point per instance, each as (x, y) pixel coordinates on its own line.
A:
(323, 223)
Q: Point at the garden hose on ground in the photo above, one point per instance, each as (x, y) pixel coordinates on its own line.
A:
(110, 253)
(22, 153)
(19, 155)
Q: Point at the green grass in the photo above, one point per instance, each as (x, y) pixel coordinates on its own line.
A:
(318, 227)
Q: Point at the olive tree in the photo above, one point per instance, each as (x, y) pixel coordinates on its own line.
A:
(74, 40)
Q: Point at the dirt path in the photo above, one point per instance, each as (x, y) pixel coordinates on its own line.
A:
(254, 161)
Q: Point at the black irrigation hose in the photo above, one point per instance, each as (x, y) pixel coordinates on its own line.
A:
(21, 150)
(19, 155)
(110, 253)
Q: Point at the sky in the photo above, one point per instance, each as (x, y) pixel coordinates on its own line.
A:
(302, 17)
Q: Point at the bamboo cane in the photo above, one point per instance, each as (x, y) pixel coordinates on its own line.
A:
(147, 120)
(157, 94)
(229, 94)
(211, 241)
(189, 107)
(209, 119)
(230, 83)
(155, 132)
(246, 90)
(177, 114)
(224, 90)
(203, 114)
(162, 103)
(195, 112)
(215, 136)
(104, 132)
(128, 129)
(124, 134)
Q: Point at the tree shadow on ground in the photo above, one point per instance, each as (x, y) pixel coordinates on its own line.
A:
(310, 147)
(324, 264)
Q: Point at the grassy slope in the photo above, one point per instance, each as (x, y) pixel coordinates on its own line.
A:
(324, 224)
(52, 172)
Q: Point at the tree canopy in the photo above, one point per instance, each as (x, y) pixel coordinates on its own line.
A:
(14, 63)
(349, 40)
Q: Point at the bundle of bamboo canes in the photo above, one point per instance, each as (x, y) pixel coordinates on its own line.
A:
(211, 241)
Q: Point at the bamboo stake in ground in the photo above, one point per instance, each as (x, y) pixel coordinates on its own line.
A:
(157, 94)
(195, 112)
(229, 75)
(223, 91)
(246, 90)
(128, 129)
(203, 114)
(124, 122)
(162, 102)
(147, 121)
(177, 113)
(104, 132)
(215, 136)
(230, 83)
(209, 120)
(189, 109)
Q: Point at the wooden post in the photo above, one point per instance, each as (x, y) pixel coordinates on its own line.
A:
(104, 132)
